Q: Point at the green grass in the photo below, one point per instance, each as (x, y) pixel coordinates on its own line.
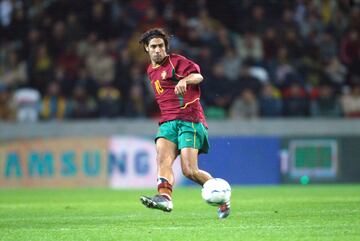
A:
(293, 213)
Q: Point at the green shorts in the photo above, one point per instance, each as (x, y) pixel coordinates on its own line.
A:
(185, 134)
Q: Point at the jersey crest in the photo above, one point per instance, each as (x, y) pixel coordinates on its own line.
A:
(163, 74)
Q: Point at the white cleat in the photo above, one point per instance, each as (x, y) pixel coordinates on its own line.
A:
(157, 202)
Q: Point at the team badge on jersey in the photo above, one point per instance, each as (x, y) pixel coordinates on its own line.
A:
(163, 74)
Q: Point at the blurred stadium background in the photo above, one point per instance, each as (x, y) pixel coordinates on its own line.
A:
(281, 90)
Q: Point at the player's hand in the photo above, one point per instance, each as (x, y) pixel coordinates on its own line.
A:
(180, 88)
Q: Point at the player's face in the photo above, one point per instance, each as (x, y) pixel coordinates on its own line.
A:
(156, 50)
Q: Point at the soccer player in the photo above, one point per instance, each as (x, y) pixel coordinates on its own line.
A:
(182, 127)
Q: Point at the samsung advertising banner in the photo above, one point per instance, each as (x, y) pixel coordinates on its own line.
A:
(118, 162)
(129, 162)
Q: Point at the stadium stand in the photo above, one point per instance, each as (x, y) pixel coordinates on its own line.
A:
(81, 59)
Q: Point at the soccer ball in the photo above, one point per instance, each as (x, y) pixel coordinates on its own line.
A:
(216, 191)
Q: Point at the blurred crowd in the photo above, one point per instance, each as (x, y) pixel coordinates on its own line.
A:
(63, 59)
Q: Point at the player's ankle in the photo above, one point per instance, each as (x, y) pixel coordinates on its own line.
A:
(164, 188)
(165, 195)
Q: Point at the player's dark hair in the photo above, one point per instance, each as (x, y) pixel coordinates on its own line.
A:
(154, 33)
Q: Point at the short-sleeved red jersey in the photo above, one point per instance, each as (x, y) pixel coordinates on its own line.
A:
(164, 79)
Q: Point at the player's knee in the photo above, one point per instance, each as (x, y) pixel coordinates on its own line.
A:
(190, 172)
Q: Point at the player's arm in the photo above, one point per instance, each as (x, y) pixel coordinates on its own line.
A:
(191, 79)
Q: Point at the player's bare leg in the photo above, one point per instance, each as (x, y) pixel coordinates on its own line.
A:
(190, 168)
(166, 154)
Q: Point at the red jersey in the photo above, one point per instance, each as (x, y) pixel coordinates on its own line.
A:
(164, 79)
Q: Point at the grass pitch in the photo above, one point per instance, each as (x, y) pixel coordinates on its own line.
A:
(313, 213)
